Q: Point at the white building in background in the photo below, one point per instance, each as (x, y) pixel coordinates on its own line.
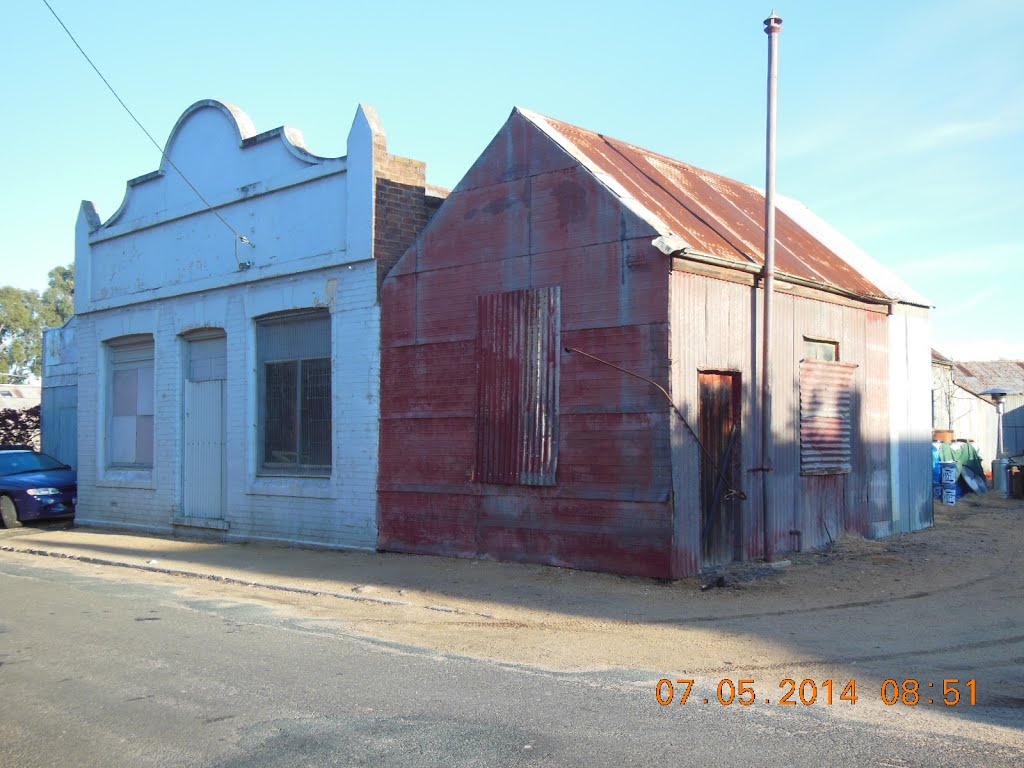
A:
(227, 389)
(960, 411)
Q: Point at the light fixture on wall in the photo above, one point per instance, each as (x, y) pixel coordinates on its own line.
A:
(243, 264)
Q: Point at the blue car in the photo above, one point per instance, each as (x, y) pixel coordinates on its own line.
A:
(34, 486)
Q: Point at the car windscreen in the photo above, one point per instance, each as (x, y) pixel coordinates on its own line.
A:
(16, 462)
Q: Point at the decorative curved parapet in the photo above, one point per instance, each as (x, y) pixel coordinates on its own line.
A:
(242, 122)
(268, 207)
(216, 146)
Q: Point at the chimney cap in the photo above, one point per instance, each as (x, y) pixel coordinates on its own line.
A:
(999, 393)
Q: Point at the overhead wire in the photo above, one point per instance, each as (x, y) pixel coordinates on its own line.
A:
(730, 491)
(240, 237)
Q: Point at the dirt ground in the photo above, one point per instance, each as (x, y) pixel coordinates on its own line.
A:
(937, 605)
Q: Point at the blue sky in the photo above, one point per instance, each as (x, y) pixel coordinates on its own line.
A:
(900, 123)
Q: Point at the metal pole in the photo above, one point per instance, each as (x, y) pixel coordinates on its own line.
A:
(772, 28)
(1000, 408)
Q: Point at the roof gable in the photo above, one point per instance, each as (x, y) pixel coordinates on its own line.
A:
(495, 197)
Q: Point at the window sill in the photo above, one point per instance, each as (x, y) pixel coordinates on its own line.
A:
(184, 521)
(298, 486)
(126, 478)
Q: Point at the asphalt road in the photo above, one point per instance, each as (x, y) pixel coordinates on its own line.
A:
(126, 672)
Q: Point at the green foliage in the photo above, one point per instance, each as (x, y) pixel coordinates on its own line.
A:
(19, 427)
(24, 315)
(60, 293)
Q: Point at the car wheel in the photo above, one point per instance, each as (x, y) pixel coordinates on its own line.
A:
(9, 512)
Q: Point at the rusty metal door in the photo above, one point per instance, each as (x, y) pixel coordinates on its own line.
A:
(719, 428)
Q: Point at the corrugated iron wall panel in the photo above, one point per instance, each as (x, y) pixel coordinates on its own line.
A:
(826, 411)
(1013, 425)
(873, 385)
(59, 417)
(716, 326)
(710, 331)
(518, 365)
(909, 434)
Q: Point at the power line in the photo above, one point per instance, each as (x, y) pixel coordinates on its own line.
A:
(242, 238)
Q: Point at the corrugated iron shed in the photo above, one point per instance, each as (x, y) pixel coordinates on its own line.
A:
(466, 468)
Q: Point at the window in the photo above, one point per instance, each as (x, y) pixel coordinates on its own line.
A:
(518, 368)
(130, 402)
(826, 351)
(294, 362)
(826, 417)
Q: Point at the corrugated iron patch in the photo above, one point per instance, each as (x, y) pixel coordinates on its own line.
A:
(826, 410)
(517, 417)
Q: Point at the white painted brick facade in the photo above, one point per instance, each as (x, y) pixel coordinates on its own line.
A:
(164, 265)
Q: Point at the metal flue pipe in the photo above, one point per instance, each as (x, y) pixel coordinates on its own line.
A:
(772, 28)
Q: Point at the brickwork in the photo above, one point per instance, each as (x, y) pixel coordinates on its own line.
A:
(404, 207)
(339, 510)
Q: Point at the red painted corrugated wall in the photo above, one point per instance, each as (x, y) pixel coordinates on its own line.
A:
(529, 216)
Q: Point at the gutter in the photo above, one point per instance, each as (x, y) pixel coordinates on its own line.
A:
(672, 245)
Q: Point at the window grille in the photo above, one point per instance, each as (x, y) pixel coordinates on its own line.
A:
(294, 362)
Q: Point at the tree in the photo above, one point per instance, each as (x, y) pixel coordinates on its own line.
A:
(24, 315)
(59, 295)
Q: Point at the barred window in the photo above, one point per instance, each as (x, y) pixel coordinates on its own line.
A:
(294, 361)
(129, 438)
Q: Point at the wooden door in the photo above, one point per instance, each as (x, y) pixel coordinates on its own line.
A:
(720, 476)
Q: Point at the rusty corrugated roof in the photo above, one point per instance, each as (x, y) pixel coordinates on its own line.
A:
(714, 215)
(979, 375)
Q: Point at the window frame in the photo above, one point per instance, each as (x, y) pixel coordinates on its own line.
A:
(300, 392)
(814, 345)
(130, 353)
